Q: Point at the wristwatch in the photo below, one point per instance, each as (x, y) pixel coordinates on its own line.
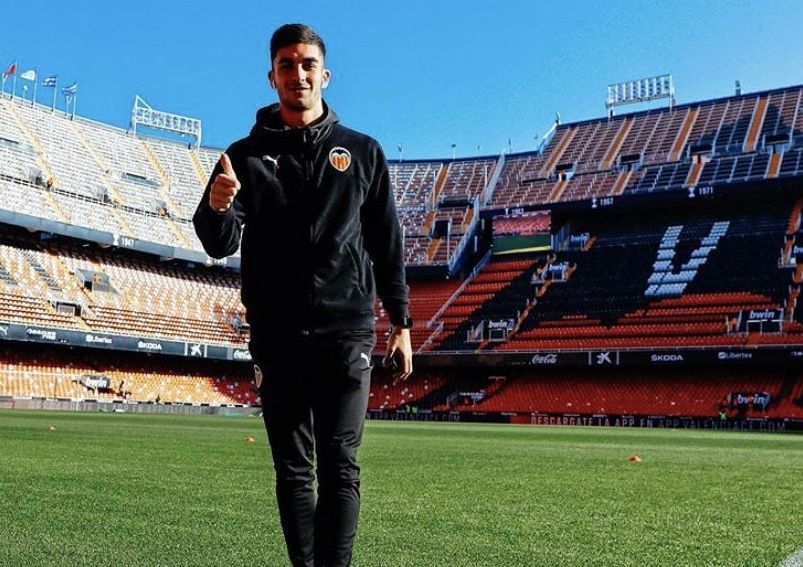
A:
(406, 323)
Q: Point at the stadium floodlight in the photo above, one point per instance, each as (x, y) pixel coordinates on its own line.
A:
(143, 114)
(641, 90)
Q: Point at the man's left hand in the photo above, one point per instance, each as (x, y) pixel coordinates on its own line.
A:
(399, 349)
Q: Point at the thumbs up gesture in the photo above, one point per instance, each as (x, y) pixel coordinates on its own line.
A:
(225, 186)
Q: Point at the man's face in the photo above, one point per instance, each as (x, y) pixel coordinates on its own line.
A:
(298, 74)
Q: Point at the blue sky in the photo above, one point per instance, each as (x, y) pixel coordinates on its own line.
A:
(423, 74)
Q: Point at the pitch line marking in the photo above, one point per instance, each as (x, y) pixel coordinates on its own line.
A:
(794, 560)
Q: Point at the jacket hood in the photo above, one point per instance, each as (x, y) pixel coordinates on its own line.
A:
(269, 124)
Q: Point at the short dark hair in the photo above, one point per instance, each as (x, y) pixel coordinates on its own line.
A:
(290, 34)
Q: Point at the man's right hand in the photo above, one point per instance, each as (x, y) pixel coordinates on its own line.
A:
(225, 186)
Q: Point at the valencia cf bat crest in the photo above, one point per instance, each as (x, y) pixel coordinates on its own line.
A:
(340, 158)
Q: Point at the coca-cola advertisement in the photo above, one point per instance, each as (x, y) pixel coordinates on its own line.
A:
(549, 359)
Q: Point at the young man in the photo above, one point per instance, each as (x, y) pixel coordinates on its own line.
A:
(313, 204)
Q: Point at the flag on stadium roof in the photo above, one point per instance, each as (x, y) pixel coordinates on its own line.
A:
(29, 75)
(11, 70)
(50, 81)
(70, 90)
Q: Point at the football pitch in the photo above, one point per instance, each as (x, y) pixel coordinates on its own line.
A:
(117, 489)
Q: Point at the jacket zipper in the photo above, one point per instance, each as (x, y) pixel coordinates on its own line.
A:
(305, 138)
(307, 178)
(355, 259)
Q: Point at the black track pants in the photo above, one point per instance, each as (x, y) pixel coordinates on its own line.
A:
(314, 398)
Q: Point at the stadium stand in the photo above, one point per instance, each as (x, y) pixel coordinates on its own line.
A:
(466, 179)
(427, 298)
(101, 176)
(90, 174)
(680, 278)
(26, 371)
(726, 140)
(386, 395)
(524, 225)
(677, 272)
(147, 297)
(144, 296)
(68, 374)
(497, 292)
(644, 393)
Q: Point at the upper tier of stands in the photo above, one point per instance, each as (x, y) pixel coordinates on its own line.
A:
(741, 138)
(90, 174)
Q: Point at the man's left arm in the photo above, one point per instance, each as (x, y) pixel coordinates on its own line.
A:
(384, 242)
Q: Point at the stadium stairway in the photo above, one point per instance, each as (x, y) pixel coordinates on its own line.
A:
(419, 390)
(756, 122)
(426, 299)
(501, 290)
(116, 196)
(174, 208)
(556, 154)
(774, 168)
(683, 133)
(616, 144)
(41, 158)
(203, 177)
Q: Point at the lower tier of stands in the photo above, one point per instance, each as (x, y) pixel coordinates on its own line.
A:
(27, 371)
(30, 371)
(699, 393)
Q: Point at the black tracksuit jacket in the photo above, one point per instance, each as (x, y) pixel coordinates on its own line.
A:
(314, 210)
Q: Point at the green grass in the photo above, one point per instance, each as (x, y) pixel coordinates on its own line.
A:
(110, 489)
